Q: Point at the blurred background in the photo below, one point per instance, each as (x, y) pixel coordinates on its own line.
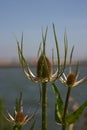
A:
(31, 17)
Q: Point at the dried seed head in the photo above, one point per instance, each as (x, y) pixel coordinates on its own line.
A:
(19, 118)
(43, 67)
(71, 79)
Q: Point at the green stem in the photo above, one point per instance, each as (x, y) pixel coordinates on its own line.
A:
(66, 107)
(44, 107)
(16, 127)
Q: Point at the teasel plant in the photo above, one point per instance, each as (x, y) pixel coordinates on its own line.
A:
(62, 115)
(44, 70)
(19, 119)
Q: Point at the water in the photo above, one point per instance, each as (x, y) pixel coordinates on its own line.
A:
(12, 81)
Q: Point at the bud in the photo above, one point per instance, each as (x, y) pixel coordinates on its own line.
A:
(71, 79)
(19, 118)
(43, 67)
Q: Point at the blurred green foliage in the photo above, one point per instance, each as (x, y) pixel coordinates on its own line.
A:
(4, 125)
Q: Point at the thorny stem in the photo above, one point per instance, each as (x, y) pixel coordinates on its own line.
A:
(65, 108)
(44, 107)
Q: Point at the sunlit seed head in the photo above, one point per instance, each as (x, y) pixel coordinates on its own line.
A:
(71, 79)
(43, 67)
(19, 118)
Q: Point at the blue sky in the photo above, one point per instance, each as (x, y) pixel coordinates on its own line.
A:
(31, 16)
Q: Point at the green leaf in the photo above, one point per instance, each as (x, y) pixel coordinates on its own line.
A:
(32, 127)
(65, 49)
(39, 50)
(22, 60)
(57, 47)
(59, 106)
(19, 103)
(44, 40)
(58, 119)
(71, 55)
(75, 115)
(58, 52)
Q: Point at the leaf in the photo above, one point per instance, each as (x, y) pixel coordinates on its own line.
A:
(65, 49)
(71, 55)
(75, 115)
(57, 47)
(44, 40)
(39, 50)
(57, 114)
(32, 127)
(19, 103)
(22, 60)
(59, 106)
(58, 52)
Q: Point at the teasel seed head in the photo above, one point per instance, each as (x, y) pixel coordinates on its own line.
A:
(71, 79)
(19, 118)
(43, 67)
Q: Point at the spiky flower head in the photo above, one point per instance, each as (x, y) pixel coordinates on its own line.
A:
(71, 79)
(44, 69)
(19, 119)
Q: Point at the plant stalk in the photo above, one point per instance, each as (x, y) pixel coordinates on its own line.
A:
(17, 127)
(44, 107)
(65, 108)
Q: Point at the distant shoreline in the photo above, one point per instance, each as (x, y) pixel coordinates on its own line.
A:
(17, 65)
